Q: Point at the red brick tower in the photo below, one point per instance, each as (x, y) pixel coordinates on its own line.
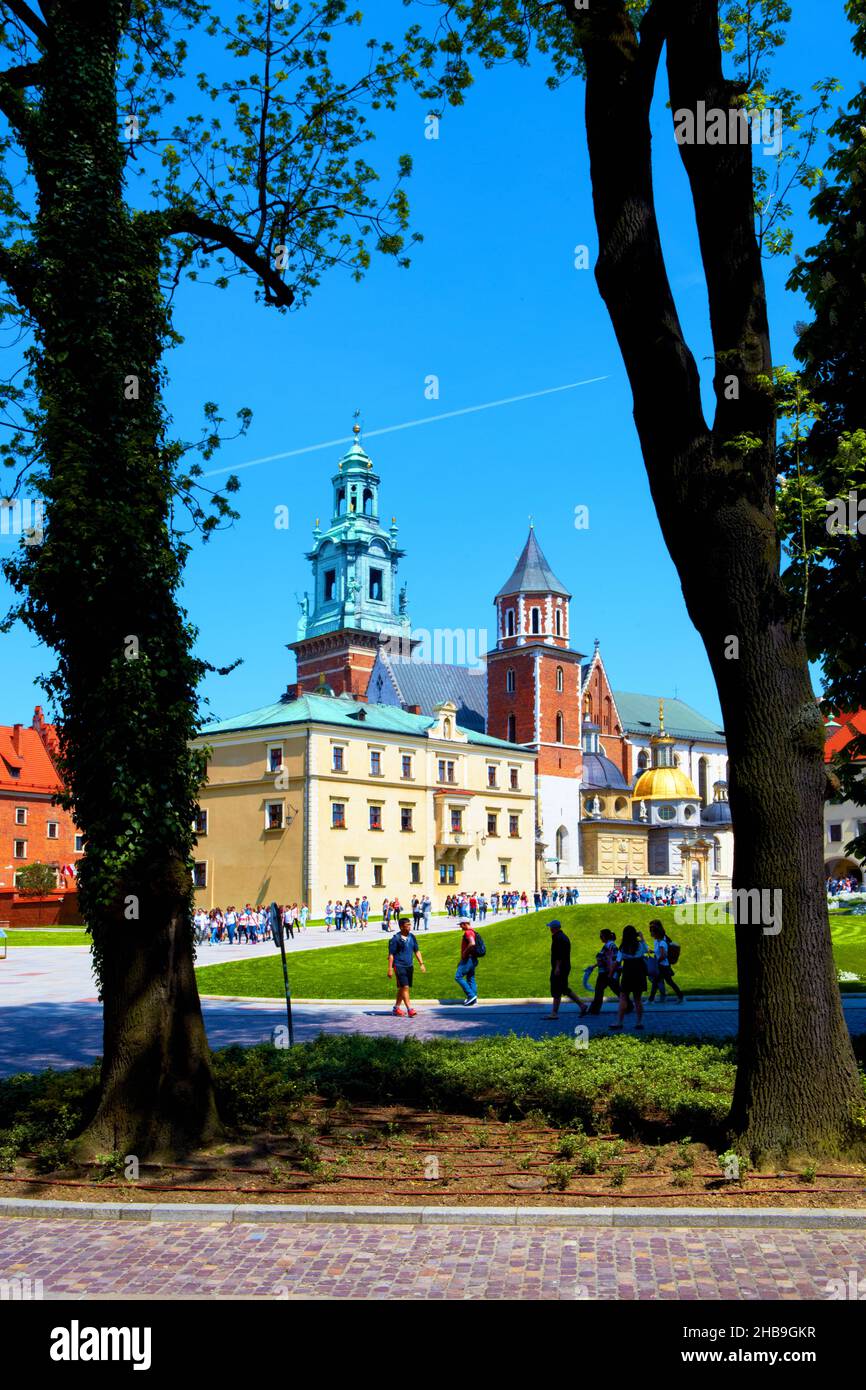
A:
(533, 696)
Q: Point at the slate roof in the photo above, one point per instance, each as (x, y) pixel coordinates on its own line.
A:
(640, 715)
(343, 713)
(428, 684)
(532, 574)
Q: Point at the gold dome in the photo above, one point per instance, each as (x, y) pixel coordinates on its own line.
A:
(663, 782)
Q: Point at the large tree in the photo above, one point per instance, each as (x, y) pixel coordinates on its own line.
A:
(105, 203)
(713, 482)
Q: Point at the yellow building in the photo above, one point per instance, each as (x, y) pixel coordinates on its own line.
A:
(328, 797)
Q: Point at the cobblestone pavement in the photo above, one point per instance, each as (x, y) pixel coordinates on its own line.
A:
(92, 1259)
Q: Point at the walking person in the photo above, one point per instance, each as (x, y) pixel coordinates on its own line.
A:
(426, 909)
(469, 952)
(606, 977)
(664, 968)
(633, 977)
(402, 953)
(560, 968)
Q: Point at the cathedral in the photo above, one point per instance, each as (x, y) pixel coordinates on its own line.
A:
(627, 787)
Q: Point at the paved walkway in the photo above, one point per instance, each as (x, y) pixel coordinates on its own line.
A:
(50, 1016)
(109, 1259)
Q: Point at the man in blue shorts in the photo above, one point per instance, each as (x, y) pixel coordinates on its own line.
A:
(402, 954)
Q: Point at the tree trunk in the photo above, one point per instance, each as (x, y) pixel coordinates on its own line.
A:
(714, 487)
(101, 591)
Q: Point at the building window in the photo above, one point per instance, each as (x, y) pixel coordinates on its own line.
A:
(835, 834)
(512, 729)
(456, 820)
(509, 623)
(447, 874)
(407, 768)
(275, 757)
(330, 585)
(19, 849)
(378, 875)
(446, 770)
(405, 817)
(376, 585)
(375, 764)
(703, 780)
(503, 870)
(559, 622)
(642, 760)
(492, 823)
(52, 829)
(20, 815)
(562, 843)
(415, 871)
(367, 502)
(560, 729)
(492, 778)
(717, 856)
(514, 827)
(274, 815)
(341, 501)
(338, 815)
(79, 844)
(200, 822)
(375, 817)
(536, 621)
(509, 681)
(515, 779)
(339, 763)
(351, 875)
(559, 680)
(199, 874)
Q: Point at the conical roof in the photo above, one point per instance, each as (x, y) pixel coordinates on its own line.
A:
(532, 574)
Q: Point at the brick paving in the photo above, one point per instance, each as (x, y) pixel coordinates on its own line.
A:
(93, 1259)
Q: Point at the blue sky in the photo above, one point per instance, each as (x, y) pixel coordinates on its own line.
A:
(494, 307)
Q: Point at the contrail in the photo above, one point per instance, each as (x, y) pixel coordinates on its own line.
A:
(408, 425)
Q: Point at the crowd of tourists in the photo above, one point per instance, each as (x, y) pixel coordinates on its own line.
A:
(624, 969)
(667, 896)
(248, 924)
(835, 886)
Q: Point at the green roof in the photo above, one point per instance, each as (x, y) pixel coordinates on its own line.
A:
(640, 715)
(344, 713)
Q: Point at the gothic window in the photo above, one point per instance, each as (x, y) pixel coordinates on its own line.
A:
(559, 622)
(559, 680)
(330, 584)
(608, 707)
(376, 585)
(536, 621)
(560, 728)
(562, 843)
(509, 623)
(512, 729)
(509, 681)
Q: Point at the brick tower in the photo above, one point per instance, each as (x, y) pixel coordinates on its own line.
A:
(533, 698)
(356, 606)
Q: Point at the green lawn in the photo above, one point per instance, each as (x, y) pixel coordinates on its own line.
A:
(517, 961)
(67, 936)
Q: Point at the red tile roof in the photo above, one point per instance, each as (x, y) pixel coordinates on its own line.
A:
(23, 749)
(850, 725)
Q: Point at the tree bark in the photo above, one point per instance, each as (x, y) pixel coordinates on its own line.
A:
(797, 1080)
(101, 591)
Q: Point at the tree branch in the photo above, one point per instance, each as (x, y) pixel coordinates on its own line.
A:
(21, 76)
(720, 177)
(180, 221)
(28, 18)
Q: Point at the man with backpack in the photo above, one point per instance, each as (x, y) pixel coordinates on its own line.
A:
(667, 953)
(472, 948)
